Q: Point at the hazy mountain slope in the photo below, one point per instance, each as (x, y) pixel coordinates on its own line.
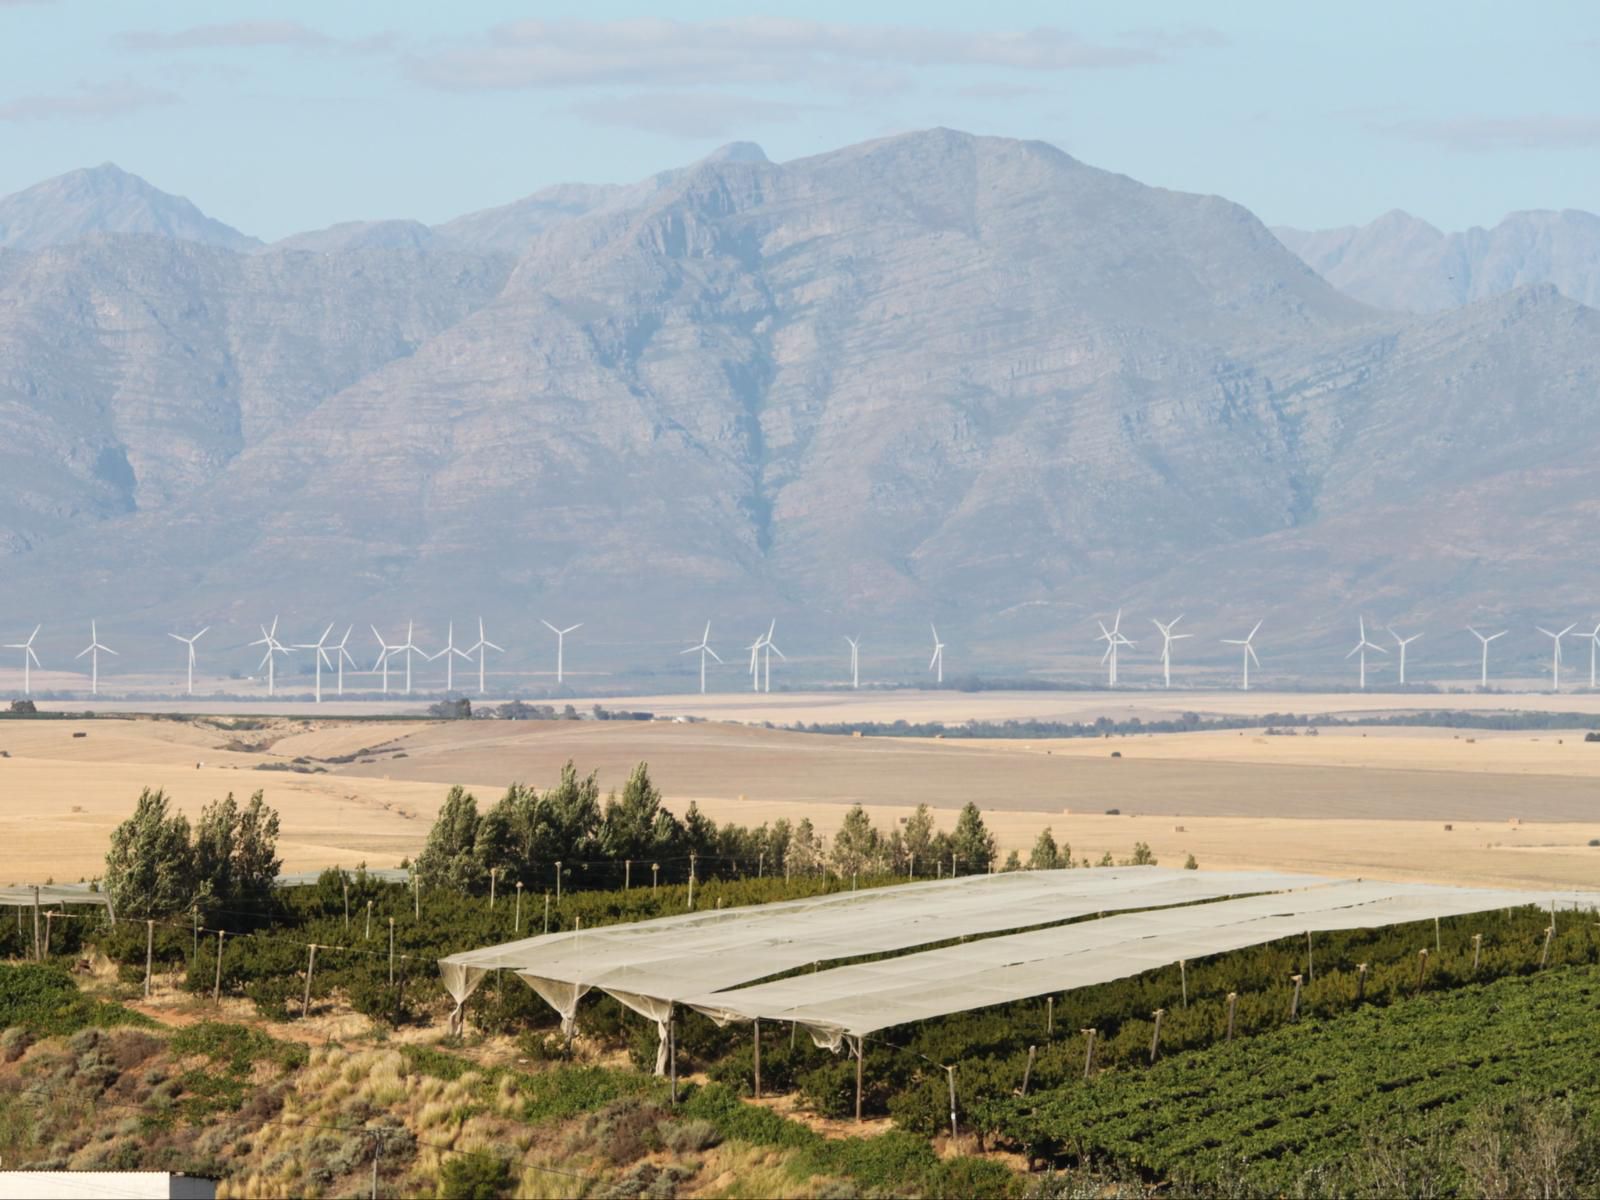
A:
(131, 369)
(1402, 263)
(362, 235)
(106, 199)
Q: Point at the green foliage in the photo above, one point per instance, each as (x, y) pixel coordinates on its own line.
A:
(43, 999)
(150, 868)
(451, 858)
(971, 842)
(1046, 855)
(231, 1052)
(475, 1175)
(857, 846)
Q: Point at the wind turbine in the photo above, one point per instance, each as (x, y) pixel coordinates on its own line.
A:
(704, 648)
(1167, 638)
(189, 642)
(936, 663)
(561, 643)
(384, 650)
(1249, 652)
(342, 655)
(1113, 639)
(1361, 648)
(1483, 680)
(29, 659)
(409, 649)
(855, 661)
(320, 655)
(478, 648)
(447, 654)
(755, 660)
(93, 651)
(1403, 643)
(269, 639)
(1594, 644)
(771, 648)
(1555, 655)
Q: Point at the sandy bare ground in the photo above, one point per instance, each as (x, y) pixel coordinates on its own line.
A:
(1339, 803)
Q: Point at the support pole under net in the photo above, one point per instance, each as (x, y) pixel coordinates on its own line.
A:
(861, 1057)
(756, 1052)
(216, 986)
(149, 954)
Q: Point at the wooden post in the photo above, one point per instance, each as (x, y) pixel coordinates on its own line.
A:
(1049, 1016)
(1294, 1004)
(672, 1052)
(1233, 1004)
(1477, 951)
(1183, 978)
(391, 951)
(655, 877)
(1436, 947)
(345, 879)
(757, 1048)
(860, 1060)
(311, 966)
(693, 858)
(516, 925)
(1549, 932)
(627, 874)
(558, 881)
(369, 921)
(950, 1074)
(149, 954)
(1311, 970)
(1027, 1071)
(216, 986)
(1155, 1034)
(911, 866)
(761, 865)
(852, 881)
(952, 864)
(493, 873)
(1088, 1051)
(416, 895)
(1361, 982)
(38, 945)
(49, 929)
(1422, 967)
(195, 910)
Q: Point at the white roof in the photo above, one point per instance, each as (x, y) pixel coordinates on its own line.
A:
(858, 1000)
(672, 958)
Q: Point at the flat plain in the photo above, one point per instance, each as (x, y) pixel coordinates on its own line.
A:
(1521, 807)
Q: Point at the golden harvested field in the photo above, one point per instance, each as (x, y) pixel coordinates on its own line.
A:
(1337, 803)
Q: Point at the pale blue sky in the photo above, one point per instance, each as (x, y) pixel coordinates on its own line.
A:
(282, 116)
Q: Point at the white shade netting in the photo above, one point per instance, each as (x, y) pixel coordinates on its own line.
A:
(853, 1001)
(650, 965)
(26, 895)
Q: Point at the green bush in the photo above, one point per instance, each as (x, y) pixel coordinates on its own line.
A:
(475, 1175)
(43, 999)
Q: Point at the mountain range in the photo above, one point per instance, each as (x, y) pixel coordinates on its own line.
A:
(932, 377)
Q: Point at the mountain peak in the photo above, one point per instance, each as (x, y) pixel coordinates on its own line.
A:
(106, 199)
(743, 152)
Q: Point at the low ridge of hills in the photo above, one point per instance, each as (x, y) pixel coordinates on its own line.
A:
(932, 376)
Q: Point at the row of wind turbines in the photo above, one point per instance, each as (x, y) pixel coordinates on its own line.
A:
(334, 656)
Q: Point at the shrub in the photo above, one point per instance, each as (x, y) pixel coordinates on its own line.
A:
(475, 1175)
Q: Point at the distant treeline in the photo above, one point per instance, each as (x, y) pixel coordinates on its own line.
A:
(1190, 722)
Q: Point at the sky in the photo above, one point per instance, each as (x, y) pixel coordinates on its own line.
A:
(285, 116)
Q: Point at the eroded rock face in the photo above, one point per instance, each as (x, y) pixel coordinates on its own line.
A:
(935, 373)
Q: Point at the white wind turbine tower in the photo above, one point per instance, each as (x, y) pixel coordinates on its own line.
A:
(269, 639)
(29, 659)
(704, 647)
(1555, 654)
(936, 663)
(1594, 644)
(93, 650)
(478, 648)
(1361, 648)
(189, 642)
(448, 653)
(1167, 638)
(1403, 643)
(342, 655)
(319, 655)
(384, 650)
(1113, 639)
(409, 649)
(755, 660)
(1249, 653)
(561, 644)
(855, 661)
(1483, 680)
(771, 648)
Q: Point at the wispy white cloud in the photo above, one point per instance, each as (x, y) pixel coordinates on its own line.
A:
(96, 101)
(1543, 131)
(235, 35)
(692, 115)
(1187, 37)
(748, 50)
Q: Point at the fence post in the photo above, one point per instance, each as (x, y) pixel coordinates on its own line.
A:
(1183, 978)
(547, 910)
(693, 858)
(194, 910)
(757, 1045)
(672, 1052)
(216, 986)
(558, 881)
(761, 865)
(345, 879)
(516, 926)
(493, 872)
(861, 1056)
(1477, 950)
(1361, 982)
(1049, 1016)
(1155, 1034)
(1027, 1071)
(1311, 969)
(50, 915)
(1422, 967)
(369, 921)
(950, 1074)
(311, 966)
(1437, 949)
(416, 895)
(1088, 1052)
(38, 946)
(149, 954)
(391, 951)
(627, 874)
(1549, 932)
(911, 868)
(1233, 1003)
(1294, 1004)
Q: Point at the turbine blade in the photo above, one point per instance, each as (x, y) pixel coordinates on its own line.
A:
(713, 654)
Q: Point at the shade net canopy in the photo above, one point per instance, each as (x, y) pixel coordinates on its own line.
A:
(853, 1001)
(51, 893)
(649, 965)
